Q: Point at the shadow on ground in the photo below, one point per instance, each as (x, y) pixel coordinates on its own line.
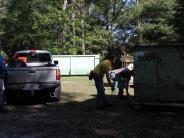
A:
(80, 119)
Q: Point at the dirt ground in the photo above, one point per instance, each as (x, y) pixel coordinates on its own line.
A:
(75, 116)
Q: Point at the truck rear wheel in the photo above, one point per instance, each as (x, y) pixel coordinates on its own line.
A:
(57, 94)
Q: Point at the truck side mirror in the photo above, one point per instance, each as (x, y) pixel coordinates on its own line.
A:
(56, 62)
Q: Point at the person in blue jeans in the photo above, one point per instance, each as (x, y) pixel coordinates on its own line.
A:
(3, 73)
(98, 74)
(124, 79)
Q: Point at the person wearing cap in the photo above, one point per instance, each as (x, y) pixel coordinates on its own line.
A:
(99, 71)
(3, 58)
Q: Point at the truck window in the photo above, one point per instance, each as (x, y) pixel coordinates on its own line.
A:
(33, 57)
(44, 57)
(22, 57)
(39, 57)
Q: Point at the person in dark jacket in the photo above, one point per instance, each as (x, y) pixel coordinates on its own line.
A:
(124, 79)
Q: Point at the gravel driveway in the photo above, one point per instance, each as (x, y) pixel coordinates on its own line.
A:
(75, 117)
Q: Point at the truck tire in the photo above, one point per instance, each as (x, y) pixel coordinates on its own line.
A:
(57, 94)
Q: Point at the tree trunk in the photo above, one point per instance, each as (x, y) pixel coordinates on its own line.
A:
(65, 4)
(139, 25)
(63, 32)
(83, 37)
(82, 24)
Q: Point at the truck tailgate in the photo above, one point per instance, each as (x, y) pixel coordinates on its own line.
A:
(31, 75)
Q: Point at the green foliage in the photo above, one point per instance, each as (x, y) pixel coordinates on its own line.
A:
(89, 27)
(98, 40)
(179, 20)
(83, 27)
(156, 20)
(32, 24)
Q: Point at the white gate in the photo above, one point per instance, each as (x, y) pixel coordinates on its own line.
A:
(76, 64)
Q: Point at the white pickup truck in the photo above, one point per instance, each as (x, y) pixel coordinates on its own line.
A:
(32, 72)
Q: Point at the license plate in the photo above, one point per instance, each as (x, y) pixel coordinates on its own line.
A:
(31, 87)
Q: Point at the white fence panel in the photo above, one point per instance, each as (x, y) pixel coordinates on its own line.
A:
(76, 64)
(63, 63)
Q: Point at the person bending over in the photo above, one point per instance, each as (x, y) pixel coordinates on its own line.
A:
(99, 71)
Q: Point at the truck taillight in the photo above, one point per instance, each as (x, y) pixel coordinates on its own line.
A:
(58, 77)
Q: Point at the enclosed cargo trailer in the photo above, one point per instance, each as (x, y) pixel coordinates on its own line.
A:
(159, 74)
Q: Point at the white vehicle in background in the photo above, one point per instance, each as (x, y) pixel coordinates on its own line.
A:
(32, 72)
